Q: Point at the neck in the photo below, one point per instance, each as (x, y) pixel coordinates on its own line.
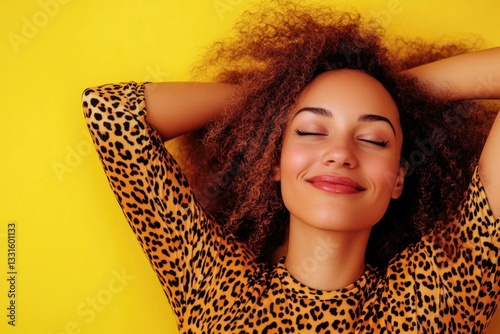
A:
(325, 260)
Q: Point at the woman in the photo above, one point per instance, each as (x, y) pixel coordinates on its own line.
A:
(315, 129)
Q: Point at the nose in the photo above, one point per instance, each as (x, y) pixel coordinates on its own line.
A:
(339, 154)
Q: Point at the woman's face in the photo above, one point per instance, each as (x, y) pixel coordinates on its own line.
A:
(340, 160)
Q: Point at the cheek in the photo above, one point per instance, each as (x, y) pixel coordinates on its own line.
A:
(294, 159)
(385, 173)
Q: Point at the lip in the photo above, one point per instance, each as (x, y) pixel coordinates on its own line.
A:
(336, 184)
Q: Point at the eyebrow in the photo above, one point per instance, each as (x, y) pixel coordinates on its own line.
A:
(316, 111)
(376, 118)
(362, 118)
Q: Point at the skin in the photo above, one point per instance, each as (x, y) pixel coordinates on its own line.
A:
(329, 138)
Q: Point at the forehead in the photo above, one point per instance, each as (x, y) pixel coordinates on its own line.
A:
(348, 92)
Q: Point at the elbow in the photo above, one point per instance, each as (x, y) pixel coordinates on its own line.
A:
(89, 98)
(89, 101)
(93, 111)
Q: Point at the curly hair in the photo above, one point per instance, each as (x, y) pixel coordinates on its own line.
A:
(273, 56)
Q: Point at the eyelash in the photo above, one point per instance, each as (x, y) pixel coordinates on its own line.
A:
(378, 143)
(307, 133)
(374, 142)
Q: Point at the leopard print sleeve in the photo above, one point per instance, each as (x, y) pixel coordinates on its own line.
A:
(186, 249)
(450, 278)
(468, 262)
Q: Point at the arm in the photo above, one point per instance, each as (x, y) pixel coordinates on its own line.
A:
(474, 75)
(184, 246)
(176, 108)
(468, 284)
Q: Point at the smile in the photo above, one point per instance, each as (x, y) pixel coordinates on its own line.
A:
(336, 184)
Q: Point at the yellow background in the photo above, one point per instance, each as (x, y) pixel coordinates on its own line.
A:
(80, 269)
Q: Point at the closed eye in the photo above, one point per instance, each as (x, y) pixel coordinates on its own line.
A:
(308, 133)
(382, 143)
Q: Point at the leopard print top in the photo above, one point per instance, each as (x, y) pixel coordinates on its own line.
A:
(215, 285)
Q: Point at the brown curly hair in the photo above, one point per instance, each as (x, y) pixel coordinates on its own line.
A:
(274, 55)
